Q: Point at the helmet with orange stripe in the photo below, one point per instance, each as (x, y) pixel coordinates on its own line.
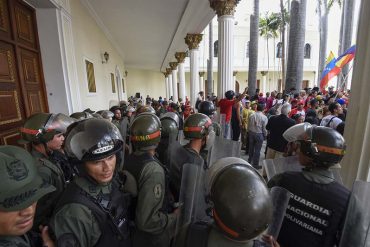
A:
(240, 199)
(145, 131)
(41, 127)
(325, 146)
(197, 126)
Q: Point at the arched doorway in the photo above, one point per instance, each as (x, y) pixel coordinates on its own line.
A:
(237, 87)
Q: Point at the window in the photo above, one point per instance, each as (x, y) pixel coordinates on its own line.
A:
(215, 48)
(279, 50)
(90, 76)
(247, 50)
(113, 83)
(307, 51)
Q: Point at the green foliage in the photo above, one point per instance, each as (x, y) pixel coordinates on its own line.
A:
(271, 23)
(332, 2)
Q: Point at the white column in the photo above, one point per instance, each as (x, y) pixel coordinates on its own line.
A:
(194, 71)
(193, 40)
(356, 161)
(182, 89)
(170, 86)
(166, 84)
(174, 85)
(180, 57)
(225, 54)
(201, 81)
(173, 66)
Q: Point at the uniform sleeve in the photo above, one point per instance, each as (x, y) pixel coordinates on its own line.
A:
(75, 225)
(149, 218)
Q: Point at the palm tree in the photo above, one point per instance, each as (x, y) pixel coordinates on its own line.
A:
(323, 9)
(268, 28)
(296, 45)
(253, 49)
(282, 35)
(210, 61)
(346, 35)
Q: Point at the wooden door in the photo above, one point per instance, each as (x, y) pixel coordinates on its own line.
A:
(305, 84)
(22, 87)
(237, 87)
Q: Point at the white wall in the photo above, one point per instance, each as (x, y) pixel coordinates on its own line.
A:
(145, 82)
(90, 42)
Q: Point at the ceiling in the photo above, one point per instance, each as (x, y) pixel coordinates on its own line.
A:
(147, 33)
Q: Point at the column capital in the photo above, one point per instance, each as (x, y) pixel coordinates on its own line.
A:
(201, 73)
(165, 74)
(224, 7)
(263, 73)
(173, 65)
(193, 40)
(168, 71)
(180, 56)
(235, 72)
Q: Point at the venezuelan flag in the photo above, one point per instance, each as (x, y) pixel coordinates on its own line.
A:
(346, 57)
(334, 67)
(327, 74)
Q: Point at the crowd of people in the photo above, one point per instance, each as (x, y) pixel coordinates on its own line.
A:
(138, 174)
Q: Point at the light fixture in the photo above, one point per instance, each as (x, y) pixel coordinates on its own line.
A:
(105, 57)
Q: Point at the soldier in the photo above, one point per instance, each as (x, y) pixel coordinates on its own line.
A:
(155, 219)
(241, 208)
(196, 129)
(170, 122)
(21, 188)
(208, 108)
(45, 133)
(93, 211)
(317, 207)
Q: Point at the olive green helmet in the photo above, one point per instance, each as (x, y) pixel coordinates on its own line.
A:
(242, 207)
(170, 124)
(197, 126)
(41, 127)
(81, 115)
(92, 139)
(145, 108)
(21, 184)
(145, 131)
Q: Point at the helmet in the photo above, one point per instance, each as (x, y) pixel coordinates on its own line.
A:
(324, 145)
(206, 107)
(341, 101)
(107, 114)
(145, 108)
(242, 207)
(145, 131)
(97, 115)
(229, 94)
(197, 126)
(21, 185)
(170, 124)
(41, 127)
(81, 115)
(92, 139)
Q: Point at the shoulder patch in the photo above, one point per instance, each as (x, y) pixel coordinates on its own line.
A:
(157, 191)
(68, 240)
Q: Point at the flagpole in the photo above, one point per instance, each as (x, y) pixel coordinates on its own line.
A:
(344, 80)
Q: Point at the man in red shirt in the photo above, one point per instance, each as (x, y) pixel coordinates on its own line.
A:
(226, 105)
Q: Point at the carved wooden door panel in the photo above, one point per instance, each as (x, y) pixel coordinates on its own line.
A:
(22, 87)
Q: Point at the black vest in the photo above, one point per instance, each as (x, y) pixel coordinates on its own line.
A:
(198, 233)
(112, 213)
(136, 163)
(315, 212)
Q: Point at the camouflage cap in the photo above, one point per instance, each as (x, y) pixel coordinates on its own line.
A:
(21, 185)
